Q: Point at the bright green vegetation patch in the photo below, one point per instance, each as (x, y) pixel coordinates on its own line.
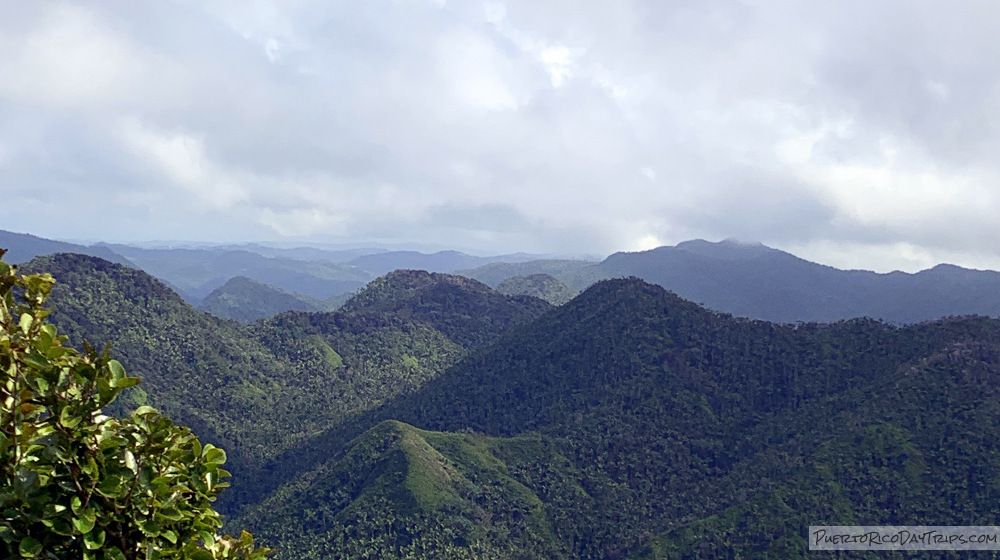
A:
(400, 491)
(330, 356)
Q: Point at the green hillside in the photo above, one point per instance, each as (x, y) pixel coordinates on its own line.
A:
(467, 311)
(541, 286)
(400, 492)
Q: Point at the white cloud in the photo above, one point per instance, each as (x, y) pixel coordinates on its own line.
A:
(594, 126)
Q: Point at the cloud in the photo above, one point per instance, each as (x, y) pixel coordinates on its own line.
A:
(858, 128)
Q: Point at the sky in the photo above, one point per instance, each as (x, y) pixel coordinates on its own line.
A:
(854, 133)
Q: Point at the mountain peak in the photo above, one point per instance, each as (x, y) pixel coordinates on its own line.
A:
(727, 249)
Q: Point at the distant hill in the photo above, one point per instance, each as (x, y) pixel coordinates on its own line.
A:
(304, 253)
(22, 247)
(246, 300)
(576, 274)
(763, 283)
(442, 261)
(542, 286)
(758, 282)
(197, 272)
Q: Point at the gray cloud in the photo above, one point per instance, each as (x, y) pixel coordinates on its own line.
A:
(856, 133)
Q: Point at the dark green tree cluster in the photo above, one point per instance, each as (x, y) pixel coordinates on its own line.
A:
(75, 483)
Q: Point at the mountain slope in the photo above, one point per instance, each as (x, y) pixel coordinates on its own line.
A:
(541, 286)
(400, 492)
(246, 300)
(468, 312)
(576, 274)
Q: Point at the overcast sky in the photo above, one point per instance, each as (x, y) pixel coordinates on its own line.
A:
(856, 133)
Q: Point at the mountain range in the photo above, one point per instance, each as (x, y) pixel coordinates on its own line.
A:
(745, 280)
(433, 417)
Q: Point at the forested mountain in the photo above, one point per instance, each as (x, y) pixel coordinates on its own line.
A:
(668, 415)
(246, 300)
(258, 389)
(433, 417)
(467, 311)
(542, 286)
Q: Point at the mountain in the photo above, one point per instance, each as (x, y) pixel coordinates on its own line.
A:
(246, 300)
(257, 390)
(541, 286)
(197, 272)
(576, 274)
(751, 280)
(468, 312)
(304, 253)
(22, 247)
(442, 261)
(669, 416)
(758, 282)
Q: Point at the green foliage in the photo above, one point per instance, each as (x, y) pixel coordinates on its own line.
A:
(400, 492)
(78, 484)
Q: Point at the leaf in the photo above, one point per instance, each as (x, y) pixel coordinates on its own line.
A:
(213, 455)
(94, 540)
(144, 410)
(25, 322)
(29, 548)
(86, 521)
(68, 419)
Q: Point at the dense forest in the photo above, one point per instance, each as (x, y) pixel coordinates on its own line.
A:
(433, 417)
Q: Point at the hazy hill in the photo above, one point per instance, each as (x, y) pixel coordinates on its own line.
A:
(755, 281)
(22, 247)
(304, 253)
(442, 261)
(763, 283)
(197, 272)
(541, 286)
(576, 274)
(246, 300)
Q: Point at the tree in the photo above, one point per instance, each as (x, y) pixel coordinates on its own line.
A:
(78, 484)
